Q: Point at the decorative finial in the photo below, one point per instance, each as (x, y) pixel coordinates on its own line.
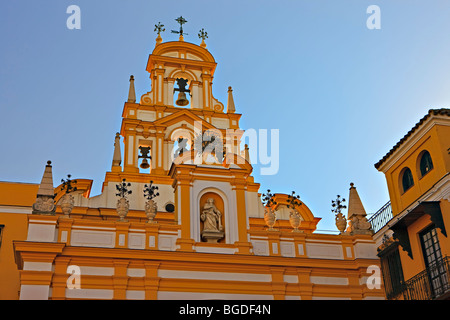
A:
(67, 200)
(150, 205)
(351, 184)
(131, 91)
(67, 184)
(122, 189)
(338, 205)
(45, 196)
(230, 103)
(181, 21)
(159, 28)
(149, 191)
(123, 204)
(293, 200)
(269, 199)
(117, 157)
(202, 34)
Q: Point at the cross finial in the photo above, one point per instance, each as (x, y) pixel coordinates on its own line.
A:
(181, 21)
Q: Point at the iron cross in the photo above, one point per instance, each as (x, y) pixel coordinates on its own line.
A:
(181, 21)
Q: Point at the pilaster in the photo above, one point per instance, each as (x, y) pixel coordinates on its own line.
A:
(278, 284)
(120, 279)
(151, 280)
(151, 236)
(305, 285)
(122, 234)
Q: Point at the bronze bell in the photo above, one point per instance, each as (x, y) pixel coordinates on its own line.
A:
(145, 164)
(182, 101)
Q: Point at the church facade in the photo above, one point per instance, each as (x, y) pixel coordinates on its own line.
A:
(180, 215)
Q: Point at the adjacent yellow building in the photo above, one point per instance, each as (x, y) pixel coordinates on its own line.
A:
(412, 234)
(204, 233)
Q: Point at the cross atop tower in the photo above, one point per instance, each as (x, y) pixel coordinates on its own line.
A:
(181, 21)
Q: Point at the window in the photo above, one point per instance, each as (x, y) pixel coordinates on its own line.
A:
(407, 179)
(425, 164)
(391, 268)
(431, 249)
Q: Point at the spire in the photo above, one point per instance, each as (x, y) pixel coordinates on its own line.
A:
(230, 105)
(358, 223)
(46, 186)
(246, 153)
(355, 206)
(44, 200)
(117, 158)
(131, 92)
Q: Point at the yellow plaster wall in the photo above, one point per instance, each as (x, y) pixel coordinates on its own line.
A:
(20, 195)
(430, 142)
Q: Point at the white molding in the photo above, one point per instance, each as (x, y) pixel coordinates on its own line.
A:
(200, 248)
(90, 293)
(336, 281)
(207, 275)
(172, 295)
(16, 209)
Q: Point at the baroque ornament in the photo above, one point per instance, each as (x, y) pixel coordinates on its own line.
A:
(150, 205)
(269, 215)
(341, 221)
(123, 204)
(295, 218)
(67, 200)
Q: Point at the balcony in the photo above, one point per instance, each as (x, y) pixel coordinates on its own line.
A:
(380, 218)
(430, 284)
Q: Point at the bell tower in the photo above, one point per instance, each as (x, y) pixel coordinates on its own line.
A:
(184, 140)
(181, 76)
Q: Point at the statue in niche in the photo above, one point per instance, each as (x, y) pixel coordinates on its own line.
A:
(212, 222)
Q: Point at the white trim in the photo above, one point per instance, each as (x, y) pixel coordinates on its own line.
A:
(207, 275)
(200, 248)
(96, 271)
(93, 228)
(171, 295)
(90, 293)
(37, 266)
(16, 209)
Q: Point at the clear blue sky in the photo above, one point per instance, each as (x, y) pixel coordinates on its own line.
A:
(346, 94)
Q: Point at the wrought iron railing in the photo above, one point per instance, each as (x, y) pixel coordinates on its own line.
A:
(430, 284)
(380, 218)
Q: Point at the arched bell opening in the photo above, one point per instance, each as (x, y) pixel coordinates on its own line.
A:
(182, 95)
(144, 159)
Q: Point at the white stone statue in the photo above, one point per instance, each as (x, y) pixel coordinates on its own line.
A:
(211, 216)
(212, 222)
